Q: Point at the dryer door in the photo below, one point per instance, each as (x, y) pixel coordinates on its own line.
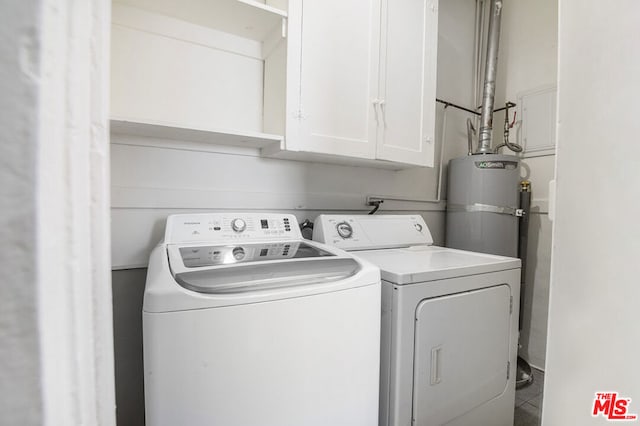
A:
(462, 353)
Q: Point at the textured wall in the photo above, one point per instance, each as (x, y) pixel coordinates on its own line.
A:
(55, 299)
(20, 403)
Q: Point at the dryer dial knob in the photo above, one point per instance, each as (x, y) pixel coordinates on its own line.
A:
(238, 225)
(344, 230)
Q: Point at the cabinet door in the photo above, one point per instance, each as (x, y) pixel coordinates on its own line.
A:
(409, 37)
(334, 47)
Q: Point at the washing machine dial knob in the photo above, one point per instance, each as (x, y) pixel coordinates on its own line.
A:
(238, 253)
(344, 230)
(238, 225)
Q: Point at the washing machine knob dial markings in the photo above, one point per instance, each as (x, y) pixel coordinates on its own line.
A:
(418, 227)
(344, 230)
(238, 225)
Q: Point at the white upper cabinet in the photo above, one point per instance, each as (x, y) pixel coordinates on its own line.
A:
(333, 77)
(361, 79)
(346, 81)
(409, 41)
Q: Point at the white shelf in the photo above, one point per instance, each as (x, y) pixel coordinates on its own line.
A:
(245, 18)
(175, 132)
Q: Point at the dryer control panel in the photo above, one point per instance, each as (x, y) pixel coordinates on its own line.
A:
(231, 228)
(365, 232)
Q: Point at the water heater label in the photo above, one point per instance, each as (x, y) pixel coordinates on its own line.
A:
(509, 165)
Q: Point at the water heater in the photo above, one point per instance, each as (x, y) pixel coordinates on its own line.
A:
(483, 204)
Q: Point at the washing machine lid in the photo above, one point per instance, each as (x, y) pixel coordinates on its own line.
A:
(267, 276)
(422, 263)
(243, 268)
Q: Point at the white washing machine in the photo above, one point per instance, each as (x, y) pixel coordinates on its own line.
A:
(246, 324)
(449, 322)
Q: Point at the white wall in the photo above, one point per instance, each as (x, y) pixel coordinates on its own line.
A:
(594, 338)
(528, 61)
(150, 182)
(20, 381)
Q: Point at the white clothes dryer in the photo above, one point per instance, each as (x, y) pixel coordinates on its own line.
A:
(449, 322)
(247, 324)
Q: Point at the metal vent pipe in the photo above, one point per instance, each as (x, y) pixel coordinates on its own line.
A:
(490, 71)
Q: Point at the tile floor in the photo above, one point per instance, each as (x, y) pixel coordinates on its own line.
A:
(529, 402)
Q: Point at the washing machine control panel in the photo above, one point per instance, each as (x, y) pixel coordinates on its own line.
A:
(362, 232)
(231, 228)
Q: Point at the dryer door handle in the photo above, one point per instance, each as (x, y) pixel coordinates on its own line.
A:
(435, 365)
